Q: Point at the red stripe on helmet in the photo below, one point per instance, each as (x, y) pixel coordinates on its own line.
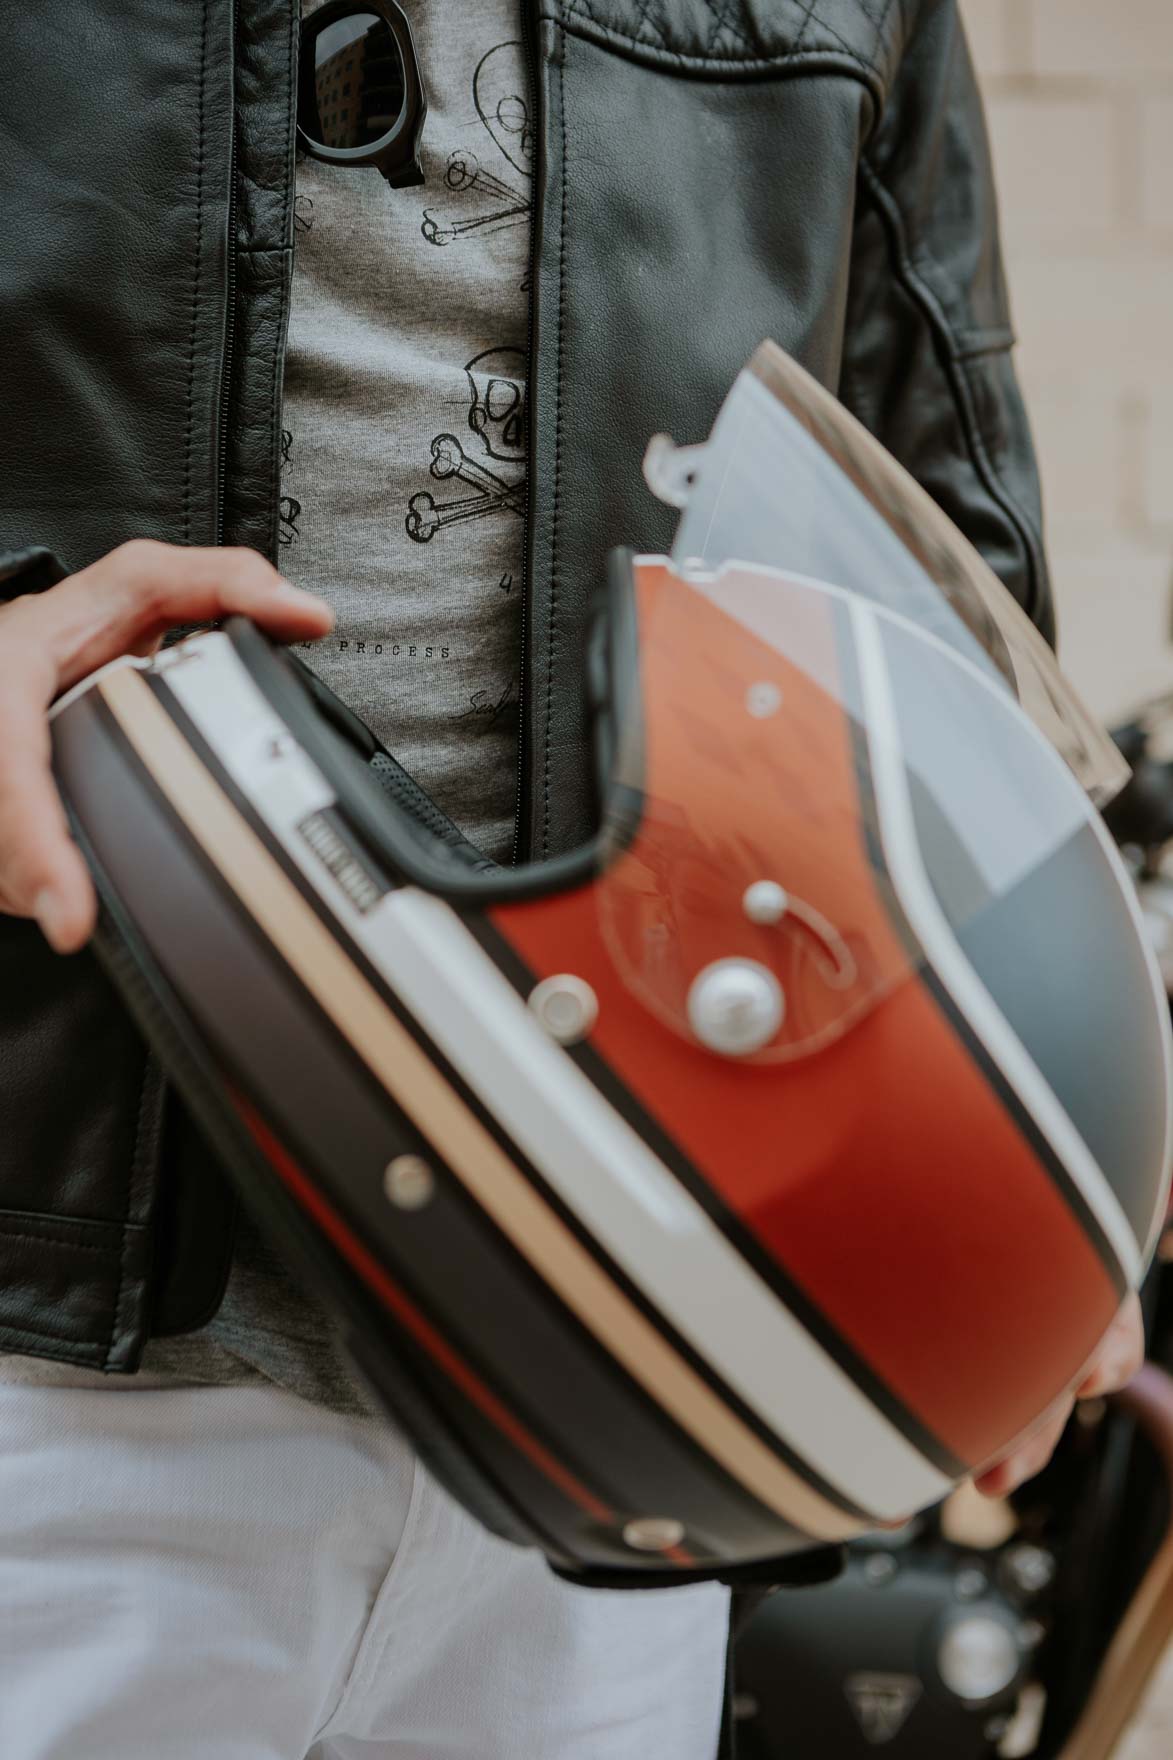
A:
(879, 1167)
(409, 1316)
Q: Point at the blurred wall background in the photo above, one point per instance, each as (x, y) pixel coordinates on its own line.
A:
(1080, 102)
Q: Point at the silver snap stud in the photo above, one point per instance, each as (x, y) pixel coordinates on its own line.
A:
(566, 1006)
(765, 902)
(409, 1182)
(735, 1006)
(653, 1533)
(763, 700)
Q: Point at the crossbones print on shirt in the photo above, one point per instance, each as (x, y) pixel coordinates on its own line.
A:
(497, 417)
(504, 114)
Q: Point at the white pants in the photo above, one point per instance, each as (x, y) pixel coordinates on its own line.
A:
(233, 1574)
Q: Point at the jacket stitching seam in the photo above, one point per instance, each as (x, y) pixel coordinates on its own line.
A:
(49, 1240)
(76, 1344)
(814, 16)
(643, 23)
(286, 232)
(958, 379)
(741, 33)
(126, 1230)
(290, 108)
(723, 20)
(881, 23)
(33, 1220)
(717, 9)
(808, 14)
(962, 393)
(877, 22)
(274, 430)
(195, 291)
(551, 657)
(52, 1234)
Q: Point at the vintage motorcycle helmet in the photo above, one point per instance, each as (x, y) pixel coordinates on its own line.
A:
(750, 1176)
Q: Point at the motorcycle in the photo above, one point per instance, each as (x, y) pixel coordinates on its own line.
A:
(1024, 1629)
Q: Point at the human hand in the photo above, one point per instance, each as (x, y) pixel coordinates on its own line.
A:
(1120, 1355)
(122, 604)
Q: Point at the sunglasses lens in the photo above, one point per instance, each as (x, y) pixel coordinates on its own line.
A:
(353, 94)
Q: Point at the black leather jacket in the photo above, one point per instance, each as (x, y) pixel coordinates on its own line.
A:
(708, 172)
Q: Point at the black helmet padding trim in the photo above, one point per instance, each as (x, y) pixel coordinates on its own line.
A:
(404, 841)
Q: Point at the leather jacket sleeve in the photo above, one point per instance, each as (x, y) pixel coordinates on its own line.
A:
(927, 362)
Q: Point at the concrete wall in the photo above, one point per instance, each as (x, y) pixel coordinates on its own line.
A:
(1080, 100)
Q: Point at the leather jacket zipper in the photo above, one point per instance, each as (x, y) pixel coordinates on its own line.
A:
(520, 827)
(225, 395)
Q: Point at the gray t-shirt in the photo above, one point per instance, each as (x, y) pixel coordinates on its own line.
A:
(403, 473)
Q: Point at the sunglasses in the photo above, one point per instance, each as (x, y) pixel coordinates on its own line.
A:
(360, 94)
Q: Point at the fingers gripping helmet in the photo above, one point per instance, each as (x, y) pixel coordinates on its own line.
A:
(752, 1175)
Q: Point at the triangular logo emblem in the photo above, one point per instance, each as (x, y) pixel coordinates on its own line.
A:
(881, 1703)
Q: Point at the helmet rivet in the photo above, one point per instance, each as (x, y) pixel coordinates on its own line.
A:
(765, 902)
(566, 1006)
(763, 700)
(409, 1182)
(735, 1006)
(653, 1533)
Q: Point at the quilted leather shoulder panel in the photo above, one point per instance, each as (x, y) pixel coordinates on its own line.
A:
(741, 36)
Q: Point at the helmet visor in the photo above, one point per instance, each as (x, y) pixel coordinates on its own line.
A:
(791, 480)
